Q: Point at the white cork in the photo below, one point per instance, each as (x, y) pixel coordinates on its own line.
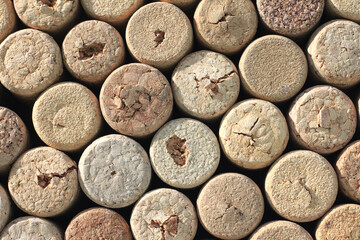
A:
(349, 9)
(5, 208)
(7, 18)
(184, 153)
(164, 214)
(205, 84)
(183, 4)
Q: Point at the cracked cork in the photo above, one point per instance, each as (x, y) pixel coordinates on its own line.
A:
(7, 18)
(5, 208)
(344, 9)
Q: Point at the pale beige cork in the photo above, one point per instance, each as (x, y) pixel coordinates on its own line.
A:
(159, 34)
(43, 182)
(5, 208)
(92, 50)
(349, 9)
(225, 26)
(136, 100)
(7, 18)
(183, 4)
(273, 68)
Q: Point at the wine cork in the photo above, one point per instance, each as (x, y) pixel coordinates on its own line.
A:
(136, 100)
(92, 50)
(301, 186)
(30, 61)
(273, 68)
(98, 223)
(184, 153)
(205, 84)
(159, 34)
(344, 9)
(67, 116)
(114, 171)
(253, 133)
(230, 206)
(322, 119)
(183, 4)
(333, 53)
(225, 26)
(7, 18)
(164, 214)
(5, 208)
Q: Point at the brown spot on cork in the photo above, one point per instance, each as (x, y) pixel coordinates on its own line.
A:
(323, 118)
(159, 37)
(88, 51)
(177, 149)
(170, 226)
(44, 179)
(49, 3)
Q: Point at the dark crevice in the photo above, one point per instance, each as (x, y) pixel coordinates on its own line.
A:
(177, 149)
(159, 37)
(49, 3)
(170, 226)
(88, 51)
(44, 179)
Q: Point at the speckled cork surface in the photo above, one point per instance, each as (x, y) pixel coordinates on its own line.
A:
(349, 9)
(5, 208)
(7, 18)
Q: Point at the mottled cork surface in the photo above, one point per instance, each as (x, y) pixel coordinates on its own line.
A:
(344, 9)
(7, 18)
(183, 4)
(5, 207)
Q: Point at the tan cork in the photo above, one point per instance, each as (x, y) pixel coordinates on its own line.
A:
(7, 18)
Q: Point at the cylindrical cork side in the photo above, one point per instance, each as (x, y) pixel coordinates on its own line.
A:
(273, 68)
(5, 208)
(98, 223)
(7, 19)
(338, 39)
(225, 26)
(322, 119)
(301, 186)
(67, 116)
(344, 9)
(92, 50)
(159, 34)
(184, 153)
(164, 214)
(230, 206)
(205, 84)
(183, 4)
(136, 100)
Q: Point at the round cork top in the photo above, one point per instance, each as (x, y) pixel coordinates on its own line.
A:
(305, 194)
(114, 171)
(273, 68)
(159, 34)
(345, 9)
(7, 18)
(205, 84)
(30, 61)
(98, 223)
(184, 153)
(225, 26)
(253, 133)
(183, 4)
(293, 18)
(334, 51)
(92, 50)
(322, 119)
(5, 207)
(51, 175)
(136, 100)
(67, 116)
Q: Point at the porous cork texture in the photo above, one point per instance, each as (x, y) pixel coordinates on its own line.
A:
(114, 171)
(341, 222)
(92, 50)
(225, 26)
(98, 223)
(136, 100)
(43, 182)
(67, 116)
(5, 208)
(159, 34)
(294, 18)
(7, 18)
(183, 4)
(30, 61)
(253, 133)
(333, 53)
(322, 119)
(164, 214)
(184, 153)
(230, 206)
(205, 84)
(344, 9)
(273, 68)
(301, 186)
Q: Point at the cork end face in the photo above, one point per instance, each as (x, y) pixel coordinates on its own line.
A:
(7, 18)
(5, 208)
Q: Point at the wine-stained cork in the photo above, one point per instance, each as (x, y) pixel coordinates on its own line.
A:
(5, 208)
(7, 18)
(30, 61)
(273, 68)
(301, 186)
(322, 119)
(136, 100)
(67, 116)
(225, 26)
(183, 4)
(98, 223)
(344, 9)
(159, 34)
(205, 84)
(230, 206)
(92, 50)
(43, 182)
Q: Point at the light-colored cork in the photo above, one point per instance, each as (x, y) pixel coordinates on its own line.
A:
(136, 100)
(5, 208)
(67, 116)
(273, 68)
(43, 182)
(159, 34)
(253, 133)
(7, 18)
(205, 84)
(322, 119)
(225, 26)
(349, 9)
(183, 4)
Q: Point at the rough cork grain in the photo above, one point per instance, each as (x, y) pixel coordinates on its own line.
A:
(344, 9)
(301, 186)
(7, 18)
(183, 4)
(5, 208)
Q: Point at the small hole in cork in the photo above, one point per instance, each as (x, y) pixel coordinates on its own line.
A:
(113, 173)
(49, 3)
(177, 149)
(88, 51)
(159, 37)
(44, 180)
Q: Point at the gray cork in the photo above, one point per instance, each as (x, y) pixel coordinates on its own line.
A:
(344, 9)
(5, 208)
(183, 4)
(7, 18)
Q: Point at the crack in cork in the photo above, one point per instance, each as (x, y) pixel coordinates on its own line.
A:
(213, 85)
(170, 226)
(89, 51)
(49, 3)
(177, 149)
(229, 205)
(44, 179)
(159, 37)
